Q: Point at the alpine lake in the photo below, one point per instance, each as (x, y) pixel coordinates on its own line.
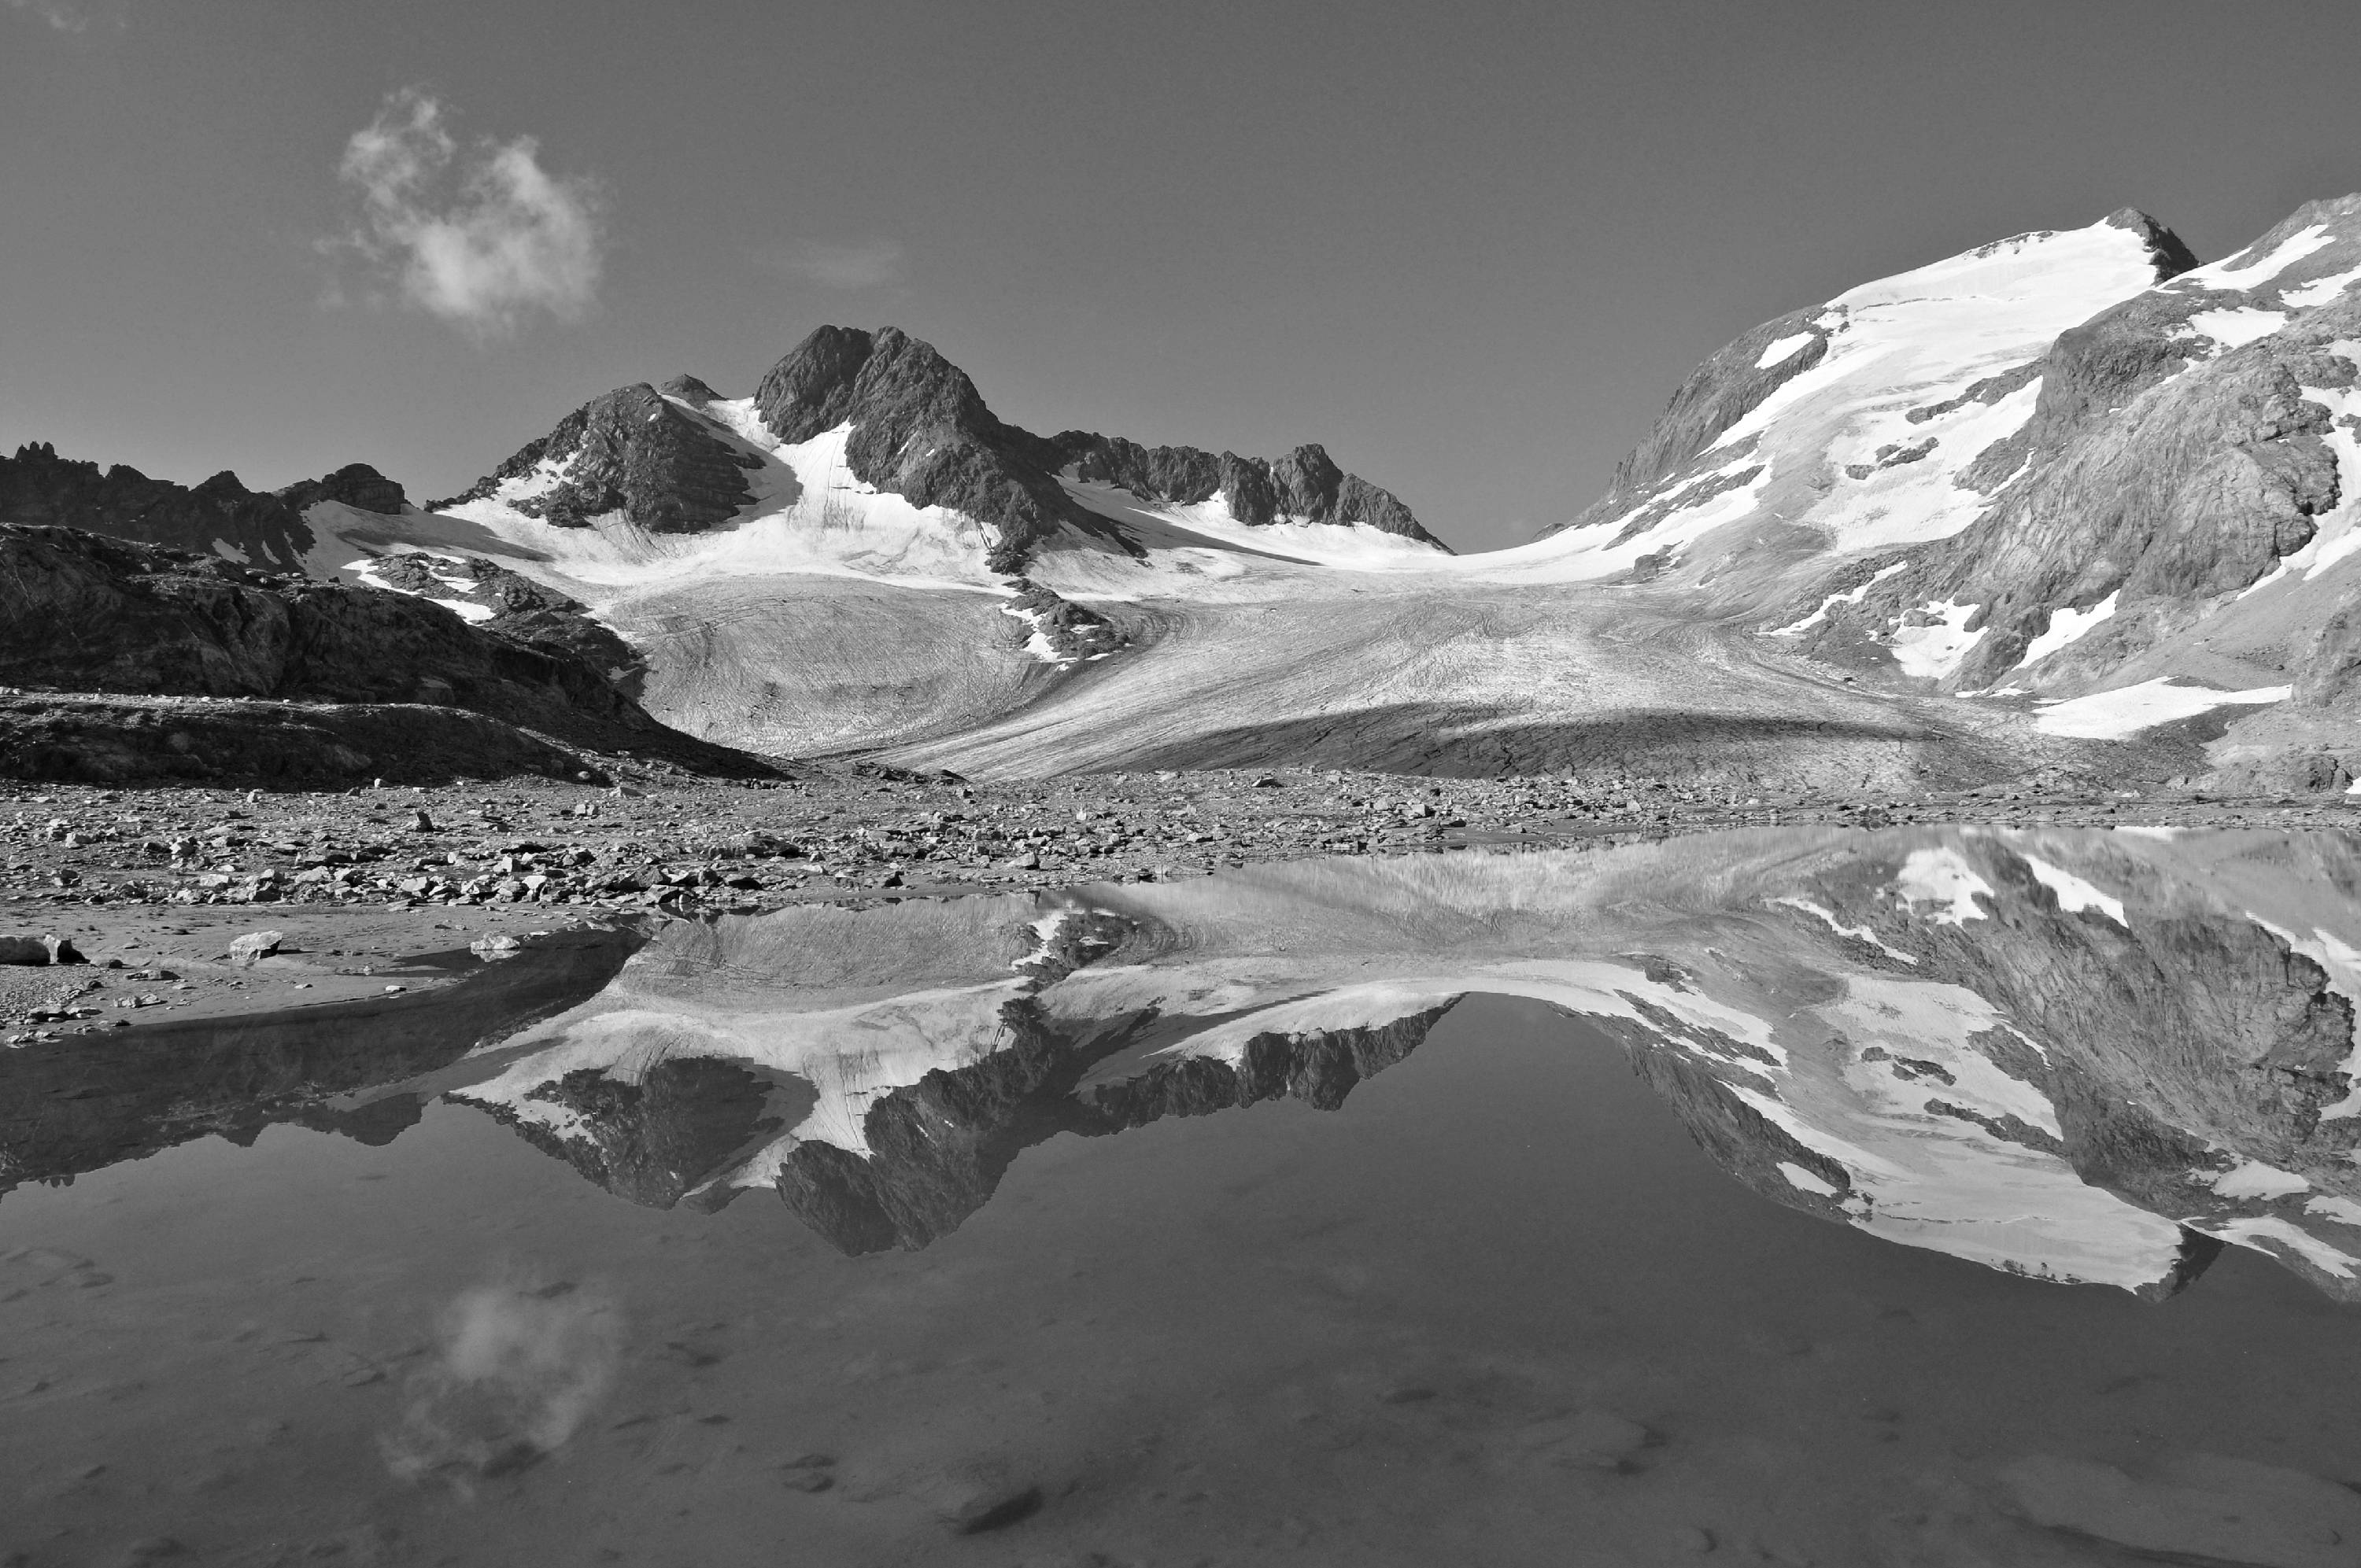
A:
(1817, 1196)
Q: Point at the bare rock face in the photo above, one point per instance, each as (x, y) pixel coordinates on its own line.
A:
(523, 609)
(1304, 486)
(631, 454)
(2196, 489)
(219, 516)
(81, 612)
(921, 430)
(354, 485)
(1717, 394)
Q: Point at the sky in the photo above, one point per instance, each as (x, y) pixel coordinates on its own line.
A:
(1470, 247)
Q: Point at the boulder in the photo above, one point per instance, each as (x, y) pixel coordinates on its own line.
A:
(255, 946)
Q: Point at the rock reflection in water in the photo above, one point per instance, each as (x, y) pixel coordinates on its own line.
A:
(2082, 1056)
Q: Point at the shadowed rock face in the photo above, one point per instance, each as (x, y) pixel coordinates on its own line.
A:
(220, 516)
(1304, 484)
(921, 430)
(81, 612)
(86, 613)
(521, 609)
(629, 453)
(354, 485)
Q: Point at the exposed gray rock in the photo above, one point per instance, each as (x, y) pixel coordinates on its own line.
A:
(255, 946)
(921, 430)
(83, 613)
(2196, 488)
(629, 453)
(354, 485)
(1305, 484)
(219, 516)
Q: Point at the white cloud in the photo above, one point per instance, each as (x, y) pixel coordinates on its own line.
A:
(480, 235)
(865, 265)
(57, 14)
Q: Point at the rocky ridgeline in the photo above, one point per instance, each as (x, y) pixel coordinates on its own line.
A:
(628, 454)
(921, 430)
(310, 681)
(39, 486)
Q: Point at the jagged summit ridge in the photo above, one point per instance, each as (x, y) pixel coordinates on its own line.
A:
(671, 460)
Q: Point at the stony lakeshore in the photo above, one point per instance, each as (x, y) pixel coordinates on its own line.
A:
(382, 891)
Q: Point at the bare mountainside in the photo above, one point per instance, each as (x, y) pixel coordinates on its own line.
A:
(2068, 501)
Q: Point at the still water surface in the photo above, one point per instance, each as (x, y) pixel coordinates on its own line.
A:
(1532, 1209)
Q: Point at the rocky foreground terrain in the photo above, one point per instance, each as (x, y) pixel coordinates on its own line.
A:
(152, 886)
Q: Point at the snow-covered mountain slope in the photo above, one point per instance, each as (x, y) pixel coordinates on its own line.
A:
(2067, 499)
(1886, 416)
(2082, 1055)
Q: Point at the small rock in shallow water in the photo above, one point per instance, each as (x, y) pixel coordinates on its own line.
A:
(494, 947)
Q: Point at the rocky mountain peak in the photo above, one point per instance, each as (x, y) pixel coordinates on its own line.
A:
(812, 389)
(220, 516)
(689, 390)
(2172, 257)
(629, 453)
(354, 485)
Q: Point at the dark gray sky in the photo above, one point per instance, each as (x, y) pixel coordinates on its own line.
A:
(1470, 246)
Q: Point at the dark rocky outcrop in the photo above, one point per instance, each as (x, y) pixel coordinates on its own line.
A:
(354, 485)
(80, 737)
(629, 453)
(83, 613)
(1305, 485)
(920, 429)
(220, 516)
(1070, 630)
(521, 609)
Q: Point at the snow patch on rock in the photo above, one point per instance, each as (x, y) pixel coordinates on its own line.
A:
(2065, 625)
(1942, 876)
(2127, 710)
(1935, 649)
(2074, 895)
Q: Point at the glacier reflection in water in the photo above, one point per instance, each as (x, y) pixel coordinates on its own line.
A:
(2084, 1056)
(1493, 1308)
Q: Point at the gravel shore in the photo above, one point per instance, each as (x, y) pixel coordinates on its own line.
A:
(384, 890)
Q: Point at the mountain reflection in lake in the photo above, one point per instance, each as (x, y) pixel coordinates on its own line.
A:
(1385, 1237)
